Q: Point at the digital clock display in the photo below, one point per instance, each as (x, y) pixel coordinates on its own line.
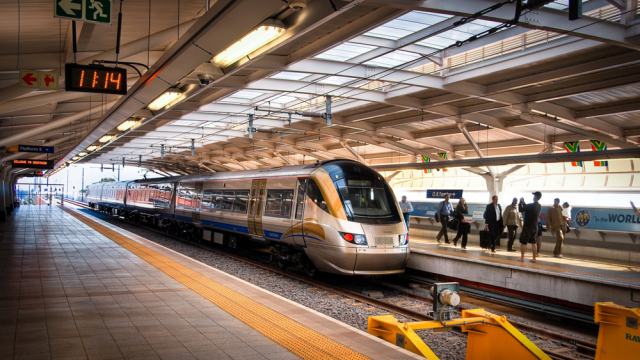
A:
(95, 79)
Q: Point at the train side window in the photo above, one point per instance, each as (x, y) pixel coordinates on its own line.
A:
(287, 200)
(227, 200)
(274, 203)
(300, 198)
(242, 198)
(206, 200)
(314, 194)
(211, 199)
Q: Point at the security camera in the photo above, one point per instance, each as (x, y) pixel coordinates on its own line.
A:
(297, 5)
(204, 79)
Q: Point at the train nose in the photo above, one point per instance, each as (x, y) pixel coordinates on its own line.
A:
(386, 253)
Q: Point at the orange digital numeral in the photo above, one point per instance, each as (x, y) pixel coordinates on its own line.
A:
(106, 80)
(95, 79)
(116, 81)
(81, 78)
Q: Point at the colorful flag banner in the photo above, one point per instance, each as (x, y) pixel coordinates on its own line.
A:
(571, 147)
(444, 156)
(599, 146)
(426, 160)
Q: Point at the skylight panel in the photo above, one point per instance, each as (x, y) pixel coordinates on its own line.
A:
(345, 51)
(406, 25)
(336, 80)
(460, 33)
(393, 59)
(247, 94)
(287, 75)
(282, 99)
(558, 4)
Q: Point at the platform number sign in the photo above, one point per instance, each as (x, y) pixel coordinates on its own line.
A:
(96, 11)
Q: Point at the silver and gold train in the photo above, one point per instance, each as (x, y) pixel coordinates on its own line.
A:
(336, 216)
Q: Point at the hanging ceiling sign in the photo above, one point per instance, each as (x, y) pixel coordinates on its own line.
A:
(35, 174)
(31, 148)
(439, 194)
(44, 80)
(96, 11)
(32, 164)
(95, 79)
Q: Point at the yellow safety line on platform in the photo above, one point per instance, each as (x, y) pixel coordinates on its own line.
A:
(290, 334)
(531, 265)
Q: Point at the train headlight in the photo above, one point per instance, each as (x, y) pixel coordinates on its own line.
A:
(403, 239)
(354, 238)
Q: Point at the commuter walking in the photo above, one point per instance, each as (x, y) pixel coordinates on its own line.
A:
(445, 209)
(530, 227)
(463, 228)
(494, 222)
(556, 223)
(406, 208)
(513, 219)
(566, 212)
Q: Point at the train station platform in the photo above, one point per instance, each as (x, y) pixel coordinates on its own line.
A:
(576, 279)
(76, 287)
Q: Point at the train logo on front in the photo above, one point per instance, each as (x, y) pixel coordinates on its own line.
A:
(583, 217)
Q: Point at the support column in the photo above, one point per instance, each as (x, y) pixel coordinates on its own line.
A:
(3, 205)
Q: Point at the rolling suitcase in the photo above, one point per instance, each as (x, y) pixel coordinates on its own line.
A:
(484, 239)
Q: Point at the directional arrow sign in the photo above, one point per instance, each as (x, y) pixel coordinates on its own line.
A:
(70, 9)
(96, 11)
(28, 78)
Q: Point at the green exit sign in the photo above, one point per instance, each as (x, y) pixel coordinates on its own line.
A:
(95, 11)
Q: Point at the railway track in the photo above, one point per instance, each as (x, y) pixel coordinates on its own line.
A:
(572, 347)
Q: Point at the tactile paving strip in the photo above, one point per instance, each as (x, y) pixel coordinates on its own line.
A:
(293, 336)
(532, 265)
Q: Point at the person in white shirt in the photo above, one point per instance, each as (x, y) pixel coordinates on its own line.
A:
(566, 212)
(406, 208)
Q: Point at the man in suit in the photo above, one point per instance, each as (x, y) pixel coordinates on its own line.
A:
(493, 222)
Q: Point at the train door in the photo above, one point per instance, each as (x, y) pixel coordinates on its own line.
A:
(256, 204)
(196, 202)
(298, 220)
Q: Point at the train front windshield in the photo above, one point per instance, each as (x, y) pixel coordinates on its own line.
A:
(365, 195)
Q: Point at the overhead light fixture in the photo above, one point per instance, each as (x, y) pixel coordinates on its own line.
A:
(260, 36)
(82, 154)
(93, 148)
(106, 138)
(165, 99)
(128, 124)
(75, 158)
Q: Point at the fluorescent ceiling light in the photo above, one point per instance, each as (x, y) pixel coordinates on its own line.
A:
(106, 138)
(165, 99)
(93, 148)
(262, 35)
(82, 154)
(128, 124)
(75, 158)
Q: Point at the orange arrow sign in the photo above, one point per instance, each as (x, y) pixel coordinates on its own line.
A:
(28, 78)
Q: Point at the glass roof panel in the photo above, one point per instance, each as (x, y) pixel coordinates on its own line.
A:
(247, 94)
(337, 80)
(558, 4)
(458, 34)
(286, 75)
(393, 59)
(282, 99)
(345, 51)
(406, 25)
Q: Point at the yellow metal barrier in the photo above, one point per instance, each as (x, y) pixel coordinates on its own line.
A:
(619, 336)
(490, 336)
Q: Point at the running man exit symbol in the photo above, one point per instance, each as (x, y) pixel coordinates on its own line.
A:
(96, 11)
